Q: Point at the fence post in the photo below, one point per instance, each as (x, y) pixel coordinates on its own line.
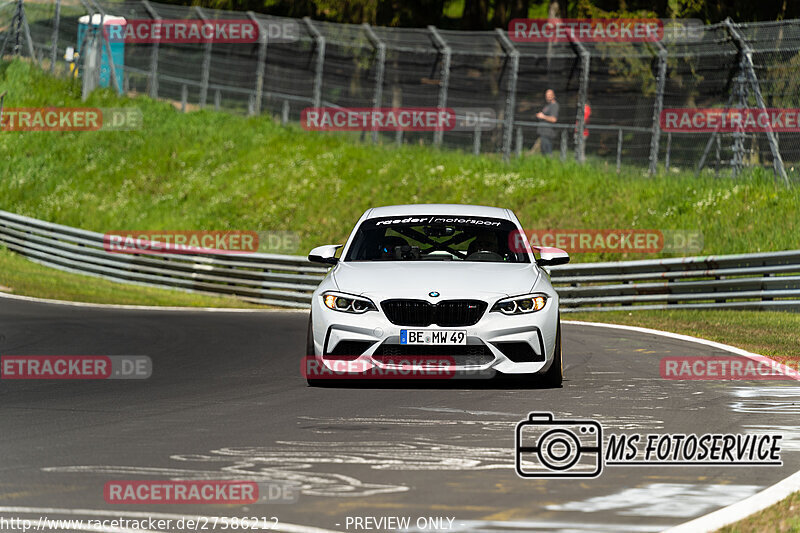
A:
(619, 149)
(740, 94)
(206, 63)
(2, 98)
(54, 38)
(90, 59)
(563, 146)
(518, 148)
(747, 54)
(18, 30)
(669, 147)
(27, 30)
(511, 97)
(285, 113)
(217, 100)
(580, 141)
(115, 81)
(380, 69)
(476, 139)
(319, 39)
(444, 81)
(655, 138)
(262, 57)
(152, 90)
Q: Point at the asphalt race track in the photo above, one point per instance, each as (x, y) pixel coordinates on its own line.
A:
(227, 400)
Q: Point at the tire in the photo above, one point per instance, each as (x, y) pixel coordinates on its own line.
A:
(555, 374)
(312, 382)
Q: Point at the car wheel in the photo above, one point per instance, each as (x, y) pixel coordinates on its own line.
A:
(555, 374)
(310, 353)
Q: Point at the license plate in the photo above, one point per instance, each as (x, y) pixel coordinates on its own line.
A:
(433, 337)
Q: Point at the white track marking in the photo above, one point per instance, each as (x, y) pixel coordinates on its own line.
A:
(148, 307)
(744, 508)
(676, 500)
(549, 526)
(281, 527)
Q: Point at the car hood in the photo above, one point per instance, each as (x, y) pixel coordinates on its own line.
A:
(452, 280)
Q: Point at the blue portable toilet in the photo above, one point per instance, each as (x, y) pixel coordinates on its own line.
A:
(117, 47)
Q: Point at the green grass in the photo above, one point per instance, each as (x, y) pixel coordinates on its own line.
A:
(207, 170)
(26, 278)
(783, 517)
(771, 333)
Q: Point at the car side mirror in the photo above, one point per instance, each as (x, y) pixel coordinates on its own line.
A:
(551, 256)
(324, 254)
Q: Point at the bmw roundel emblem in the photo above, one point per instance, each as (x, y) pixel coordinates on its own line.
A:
(433, 294)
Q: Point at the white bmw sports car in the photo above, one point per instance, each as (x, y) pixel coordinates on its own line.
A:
(455, 282)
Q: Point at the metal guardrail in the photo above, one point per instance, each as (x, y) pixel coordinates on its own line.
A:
(745, 281)
(271, 279)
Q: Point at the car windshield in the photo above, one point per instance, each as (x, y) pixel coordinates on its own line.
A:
(435, 238)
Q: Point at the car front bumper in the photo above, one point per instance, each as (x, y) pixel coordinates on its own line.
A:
(519, 344)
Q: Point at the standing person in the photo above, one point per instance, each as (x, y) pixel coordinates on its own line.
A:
(548, 115)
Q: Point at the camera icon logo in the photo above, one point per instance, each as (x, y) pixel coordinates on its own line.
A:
(548, 448)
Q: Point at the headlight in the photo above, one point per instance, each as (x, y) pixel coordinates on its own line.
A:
(347, 303)
(519, 305)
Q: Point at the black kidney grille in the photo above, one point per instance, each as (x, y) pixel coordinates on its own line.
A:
(447, 313)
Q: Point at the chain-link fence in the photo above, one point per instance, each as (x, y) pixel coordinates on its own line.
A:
(625, 85)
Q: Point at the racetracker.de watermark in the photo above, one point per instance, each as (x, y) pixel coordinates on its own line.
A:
(645, 241)
(378, 119)
(631, 30)
(181, 242)
(199, 492)
(71, 119)
(75, 367)
(188, 31)
(410, 367)
(726, 368)
(729, 120)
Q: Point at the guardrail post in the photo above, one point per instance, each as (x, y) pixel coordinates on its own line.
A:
(661, 79)
(54, 38)
(152, 81)
(444, 80)
(262, 57)
(747, 55)
(380, 68)
(511, 96)
(319, 39)
(206, 62)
